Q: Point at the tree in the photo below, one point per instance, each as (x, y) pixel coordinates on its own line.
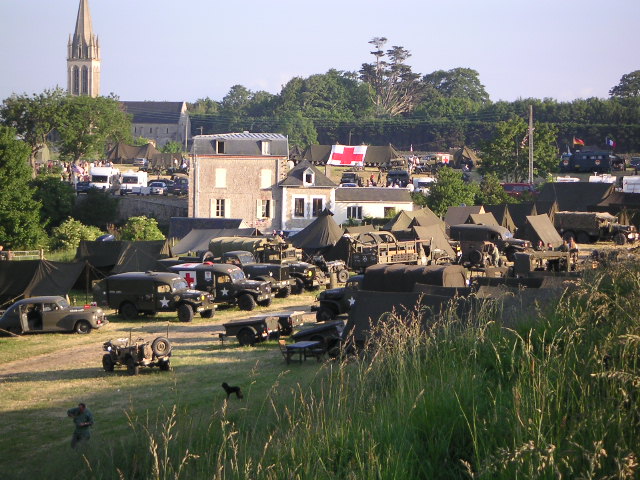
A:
(20, 226)
(300, 130)
(628, 87)
(34, 118)
(395, 89)
(491, 191)
(172, 147)
(57, 199)
(461, 83)
(507, 154)
(450, 190)
(98, 209)
(141, 228)
(87, 124)
(68, 234)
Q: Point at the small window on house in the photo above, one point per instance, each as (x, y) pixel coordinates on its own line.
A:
(167, 130)
(150, 130)
(221, 178)
(354, 212)
(298, 207)
(308, 177)
(219, 147)
(220, 207)
(264, 208)
(316, 206)
(266, 147)
(265, 178)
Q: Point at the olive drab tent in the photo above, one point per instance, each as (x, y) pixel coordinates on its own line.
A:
(124, 153)
(539, 228)
(434, 237)
(483, 219)
(575, 196)
(519, 213)
(320, 234)
(123, 256)
(502, 215)
(405, 219)
(459, 215)
(29, 278)
(465, 156)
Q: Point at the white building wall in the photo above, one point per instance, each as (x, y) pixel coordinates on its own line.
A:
(369, 209)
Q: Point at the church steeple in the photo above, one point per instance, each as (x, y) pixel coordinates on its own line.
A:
(83, 56)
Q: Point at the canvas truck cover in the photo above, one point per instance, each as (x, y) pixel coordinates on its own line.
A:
(221, 245)
(402, 278)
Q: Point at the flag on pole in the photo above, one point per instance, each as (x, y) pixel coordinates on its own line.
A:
(347, 156)
(524, 140)
(610, 142)
(578, 141)
(77, 169)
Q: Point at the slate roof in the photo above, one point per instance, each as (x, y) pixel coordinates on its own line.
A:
(372, 194)
(241, 144)
(294, 177)
(154, 112)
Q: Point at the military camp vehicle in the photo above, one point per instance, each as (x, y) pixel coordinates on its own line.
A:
(134, 293)
(371, 248)
(542, 261)
(136, 354)
(474, 243)
(263, 327)
(275, 251)
(351, 177)
(398, 177)
(50, 314)
(327, 333)
(597, 161)
(227, 282)
(278, 276)
(337, 301)
(339, 267)
(180, 185)
(590, 227)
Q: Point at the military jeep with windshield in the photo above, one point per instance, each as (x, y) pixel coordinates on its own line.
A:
(124, 351)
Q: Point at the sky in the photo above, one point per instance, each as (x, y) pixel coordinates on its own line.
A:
(188, 49)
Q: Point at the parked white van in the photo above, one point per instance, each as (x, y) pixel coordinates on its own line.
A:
(133, 182)
(105, 178)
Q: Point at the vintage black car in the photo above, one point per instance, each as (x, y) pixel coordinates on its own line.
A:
(227, 282)
(151, 292)
(50, 314)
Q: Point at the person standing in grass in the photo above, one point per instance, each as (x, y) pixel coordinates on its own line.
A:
(83, 420)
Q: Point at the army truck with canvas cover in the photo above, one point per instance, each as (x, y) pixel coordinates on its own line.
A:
(381, 247)
(274, 251)
(591, 227)
(147, 293)
(475, 239)
(227, 282)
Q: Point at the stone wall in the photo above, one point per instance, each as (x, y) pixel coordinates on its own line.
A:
(160, 208)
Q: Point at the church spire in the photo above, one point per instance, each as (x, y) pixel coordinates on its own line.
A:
(83, 60)
(84, 29)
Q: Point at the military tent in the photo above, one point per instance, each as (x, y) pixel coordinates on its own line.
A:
(124, 153)
(122, 256)
(519, 213)
(550, 208)
(502, 215)
(320, 234)
(405, 219)
(360, 229)
(459, 215)
(30, 278)
(197, 240)
(435, 238)
(575, 196)
(465, 156)
(539, 228)
(483, 219)
(179, 227)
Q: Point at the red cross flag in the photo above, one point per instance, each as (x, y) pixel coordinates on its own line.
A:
(347, 156)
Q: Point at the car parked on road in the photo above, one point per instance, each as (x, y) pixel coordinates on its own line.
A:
(82, 187)
(50, 314)
(157, 188)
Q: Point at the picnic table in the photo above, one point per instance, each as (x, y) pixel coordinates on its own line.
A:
(303, 349)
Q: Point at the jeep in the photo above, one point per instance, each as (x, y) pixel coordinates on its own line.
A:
(473, 241)
(151, 292)
(134, 355)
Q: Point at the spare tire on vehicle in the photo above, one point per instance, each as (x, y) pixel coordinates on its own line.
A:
(161, 347)
(475, 257)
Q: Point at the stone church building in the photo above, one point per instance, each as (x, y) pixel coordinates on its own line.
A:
(83, 56)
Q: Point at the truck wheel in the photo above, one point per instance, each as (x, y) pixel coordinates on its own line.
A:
(107, 363)
(185, 313)
(265, 303)
(161, 347)
(246, 336)
(583, 237)
(246, 302)
(83, 327)
(324, 314)
(299, 288)
(128, 311)
(620, 238)
(207, 313)
(343, 276)
(285, 292)
(165, 366)
(475, 257)
(568, 235)
(132, 368)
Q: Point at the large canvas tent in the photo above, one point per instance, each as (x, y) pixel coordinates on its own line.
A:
(405, 219)
(179, 227)
(124, 153)
(29, 278)
(575, 196)
(459, 215)
(435, 238)
(123, 256)
(519, 213)
(483, 219)
(502, 215)
(320, 234)
(539, 228)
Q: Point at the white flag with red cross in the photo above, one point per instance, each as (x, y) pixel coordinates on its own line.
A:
(347, 156)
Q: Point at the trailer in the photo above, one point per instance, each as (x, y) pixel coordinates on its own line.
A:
(133, 182)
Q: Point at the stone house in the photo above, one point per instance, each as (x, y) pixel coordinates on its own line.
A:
(303, 195)
(161, 122)
(236, 175)
(360, 202)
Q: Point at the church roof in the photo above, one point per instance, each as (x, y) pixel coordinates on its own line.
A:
(154, 112)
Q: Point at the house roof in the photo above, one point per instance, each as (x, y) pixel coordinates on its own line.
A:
(241, 144)
(154, 112)
(295, 176)
(373, 194)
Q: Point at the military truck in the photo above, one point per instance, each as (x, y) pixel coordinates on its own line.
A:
(474, 242)
(275, 251)
(372, 248)
(351, 177)
(134, 293)
(591, 227)
(337, 301)
(227, 282)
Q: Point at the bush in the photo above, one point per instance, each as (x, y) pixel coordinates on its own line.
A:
(98, 209)
(69, 233)
(141, 228)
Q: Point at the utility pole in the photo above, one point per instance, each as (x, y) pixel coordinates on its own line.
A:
(530, 144)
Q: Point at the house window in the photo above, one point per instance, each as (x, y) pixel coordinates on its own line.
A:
(317, 205)
(219, 147)
(221, 209)
(150, 130)
(221, 178)
(265, 178)
(264, 208)
(298, 207)
(354, 212)
(266, 147)
(308, 177)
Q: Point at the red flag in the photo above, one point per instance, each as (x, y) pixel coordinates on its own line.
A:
(578, 141)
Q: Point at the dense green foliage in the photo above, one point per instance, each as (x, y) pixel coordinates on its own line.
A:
(172, 147)
(20, 224)
(68, 234)
(450, 190)
(98, 209)
(57, 199)
(491, 191)
(141, 228)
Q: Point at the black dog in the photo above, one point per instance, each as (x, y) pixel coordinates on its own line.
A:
(231, 390)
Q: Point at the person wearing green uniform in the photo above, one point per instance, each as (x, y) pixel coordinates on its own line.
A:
(83, 419)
